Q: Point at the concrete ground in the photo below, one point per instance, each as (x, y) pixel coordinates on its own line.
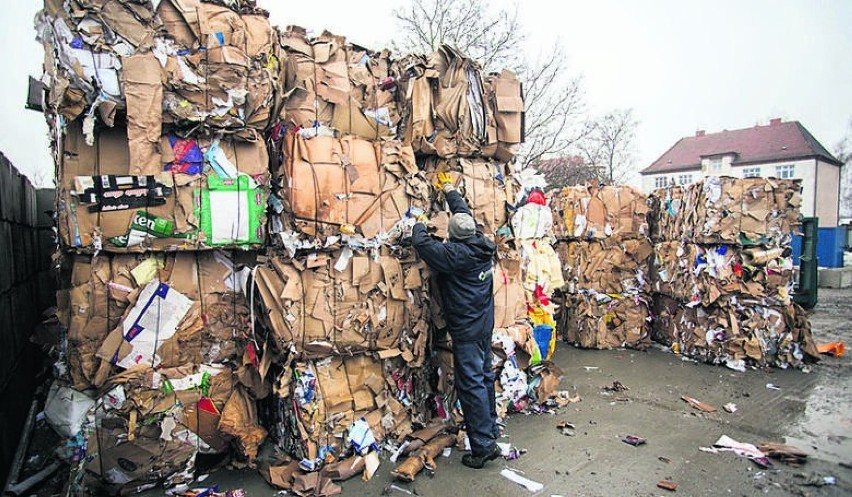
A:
(811, 410)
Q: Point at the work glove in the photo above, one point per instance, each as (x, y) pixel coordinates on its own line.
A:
(444, 181)
(418, 214)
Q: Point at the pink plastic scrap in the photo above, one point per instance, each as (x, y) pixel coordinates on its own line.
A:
(728, 444)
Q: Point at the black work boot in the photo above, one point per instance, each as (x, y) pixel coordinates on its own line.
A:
(478, 461)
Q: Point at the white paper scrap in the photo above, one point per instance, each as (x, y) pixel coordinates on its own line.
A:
(530, 485)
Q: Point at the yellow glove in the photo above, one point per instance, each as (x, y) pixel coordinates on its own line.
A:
(422, 218)
(444, 181)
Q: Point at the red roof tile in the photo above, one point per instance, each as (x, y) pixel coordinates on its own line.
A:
(776, 141)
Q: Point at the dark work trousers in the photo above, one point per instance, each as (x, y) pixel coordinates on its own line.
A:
(474, 380)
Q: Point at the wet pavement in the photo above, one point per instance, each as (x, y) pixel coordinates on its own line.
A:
(812, 410)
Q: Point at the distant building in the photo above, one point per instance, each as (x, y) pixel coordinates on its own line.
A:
(777, 150)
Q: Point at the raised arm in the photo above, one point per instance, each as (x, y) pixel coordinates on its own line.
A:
(430, 250)
(457, 202)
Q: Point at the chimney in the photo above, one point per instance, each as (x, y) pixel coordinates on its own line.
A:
(775, 122)
(700, 132)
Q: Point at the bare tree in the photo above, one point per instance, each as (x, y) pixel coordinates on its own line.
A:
(609, 144)
(555, 106)
(843, 152)
(569, 170)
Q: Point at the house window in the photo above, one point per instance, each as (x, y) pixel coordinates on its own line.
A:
(716, 165)
(787, 171)
(751, 172)
(684, 179)
(661, 182)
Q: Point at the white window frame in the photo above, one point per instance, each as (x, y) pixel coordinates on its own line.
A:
(684, 179)
(751, 172)
(661, 182)
(716, 165)
(785, 171)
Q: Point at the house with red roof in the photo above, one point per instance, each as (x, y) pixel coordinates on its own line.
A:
(777, 150)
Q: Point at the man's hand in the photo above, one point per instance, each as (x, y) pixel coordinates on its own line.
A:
(444, 181)
(418, 214)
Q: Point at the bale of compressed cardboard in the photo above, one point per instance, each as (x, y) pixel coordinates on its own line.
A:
(736, 332)
(721, 209)
(485, 184)
(326, 396)
(338, 85)
(612, 265)
(184, 63)
(705, 274)
(347, 302)
(329, 183)
(450, 111)
(602, 321)
(124, 310)
(203, 193)
(594, 212)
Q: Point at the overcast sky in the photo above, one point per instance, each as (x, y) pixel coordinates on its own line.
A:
(682, 65)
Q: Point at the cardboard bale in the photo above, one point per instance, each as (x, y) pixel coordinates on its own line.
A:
(221, 66)
(450, 111)
(104, 290)
(152, 423)
(338, 85)
(614, 265)
(330, 184)
(329, 395)
(188, 202)
(189, 63)
(485, 185)
(592, 212)
(736, 332)
(721, 209)
(84, 44)
(347, 302)
(707, 273)
(601, 321)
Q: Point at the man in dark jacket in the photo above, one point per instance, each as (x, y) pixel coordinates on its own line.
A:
(464, 272)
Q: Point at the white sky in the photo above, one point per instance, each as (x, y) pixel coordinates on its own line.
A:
(682, 65)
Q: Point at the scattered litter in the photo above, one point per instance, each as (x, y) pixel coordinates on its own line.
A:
(633, 440)
(730, 407)
(772, 386)
(567, 428)
(509, 452)
(728, 444)
(736, 365)
(665, 459)
(398, 489)
(530, 485)
(837, 349)
(591, 368)
(667, 485)
(697, 404)
(815, 480)
(784, 453)
(616, 386)
(564, 397)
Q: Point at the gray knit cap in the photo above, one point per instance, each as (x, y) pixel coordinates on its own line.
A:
(462, 226)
